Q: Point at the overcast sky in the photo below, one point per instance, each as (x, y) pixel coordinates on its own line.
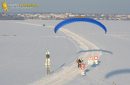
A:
(79, 6)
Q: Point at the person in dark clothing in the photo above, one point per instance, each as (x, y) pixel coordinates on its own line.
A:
(79, 61)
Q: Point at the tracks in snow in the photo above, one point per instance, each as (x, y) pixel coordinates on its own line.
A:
(67, 73)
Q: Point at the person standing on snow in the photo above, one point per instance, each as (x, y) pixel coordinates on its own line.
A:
(79, 61)
(81, 66)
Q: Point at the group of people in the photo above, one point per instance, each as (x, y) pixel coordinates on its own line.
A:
(90, 61)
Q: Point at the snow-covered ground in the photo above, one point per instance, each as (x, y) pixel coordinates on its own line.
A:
(23, 44)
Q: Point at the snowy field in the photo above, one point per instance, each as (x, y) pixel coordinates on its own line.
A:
(23, 44)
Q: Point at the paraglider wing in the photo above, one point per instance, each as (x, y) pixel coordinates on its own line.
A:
(118, 72)
(72, 20)
(96, 50)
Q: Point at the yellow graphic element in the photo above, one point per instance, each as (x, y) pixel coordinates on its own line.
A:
(5, 6)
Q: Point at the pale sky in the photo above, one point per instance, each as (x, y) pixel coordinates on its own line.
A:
(77, 6)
